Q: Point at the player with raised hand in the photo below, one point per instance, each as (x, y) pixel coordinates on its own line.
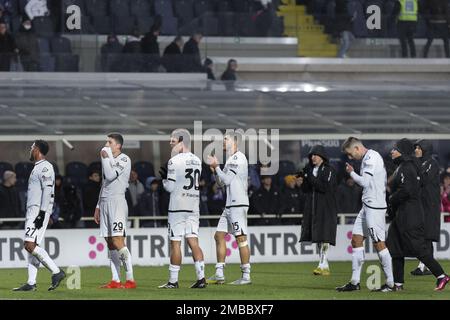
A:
(112, 209)
(181, 180)
(234, 218)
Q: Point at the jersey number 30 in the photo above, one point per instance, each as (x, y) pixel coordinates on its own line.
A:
(193, 180)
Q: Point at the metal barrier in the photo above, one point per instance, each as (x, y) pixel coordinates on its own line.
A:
(137, 219)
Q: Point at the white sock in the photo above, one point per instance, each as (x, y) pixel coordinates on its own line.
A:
(323, 264)
(173, 271)
(125, 257)
(200, 269)
(398, 284)
(33, 266)
(357, 263)
(245, 268)
(386, 262)
(441, 276)
(114, 262)
(219, 269)
(45, 259)
(421, 266)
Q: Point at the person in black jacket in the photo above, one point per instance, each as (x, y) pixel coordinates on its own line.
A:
(7, 47)
(406, 234)
(320, 212)
(191, 54)
(431, 197)
(344, 27)
(436, 15)
(292, 199)
(9, 200)
(172, 59)
(150, 50)
(266, 200)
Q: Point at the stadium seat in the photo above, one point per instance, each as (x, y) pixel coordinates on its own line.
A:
(123, 24)
(44, 27)
(163, 8)
(44, 45)
(141, 8)
(76, 173)
(97, 8)
(60, 45)
(201, 7)
(209, 25)
(169, 26)
(23, 169)
(224, 6)
(242, 6)
(184, 10)
(144, 170)
(227, 25)
(120, 8)
(102, 24)
(245, 25)
(47, 63)
(66, 62)
(144, 23)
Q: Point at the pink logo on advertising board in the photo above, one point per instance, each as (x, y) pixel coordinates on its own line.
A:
(349, 248)
(99, 247)
(234, 244)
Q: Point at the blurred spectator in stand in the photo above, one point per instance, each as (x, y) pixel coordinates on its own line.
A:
(229, 75)
(203, 202)
(111, 54)
(27, 43)
(445, 195)
(262, 18)
(437, 17)
(10, 201)
(191, 53)
(67, 205)
(348, 196)
(136, 189)
(5, 15)
(292, 199)
(216, 201)
(36, 8)
(406, 12)
(265, 201)
(132, 53)
(91, 192)
(7, 48)
(208, 66)
(150, 50)
(172, 58)
(344, 27)
(150, 205)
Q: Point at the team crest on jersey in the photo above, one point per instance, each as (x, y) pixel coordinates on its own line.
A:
(124, 159)
(44, 170)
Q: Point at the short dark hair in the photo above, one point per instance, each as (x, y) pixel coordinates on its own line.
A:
(117, 137)
(42, 145)
(349, 142)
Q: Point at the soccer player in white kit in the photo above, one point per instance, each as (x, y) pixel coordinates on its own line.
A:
(181, 180)
(112, 209)
(234, 218)
(371, 219)
(40, 199)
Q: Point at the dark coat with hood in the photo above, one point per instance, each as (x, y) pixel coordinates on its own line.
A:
(431, 198)
(320, 212)
(406, 235)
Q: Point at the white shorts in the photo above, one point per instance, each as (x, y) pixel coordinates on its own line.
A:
(113, 217)
(31, 233)
(183, 224)
(371, 222)
(233, 220)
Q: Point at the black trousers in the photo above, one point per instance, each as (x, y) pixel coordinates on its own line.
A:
(398, 265)
(406, 30)
(437, 30)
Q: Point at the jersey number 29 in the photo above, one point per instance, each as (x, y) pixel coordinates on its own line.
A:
(193, 179)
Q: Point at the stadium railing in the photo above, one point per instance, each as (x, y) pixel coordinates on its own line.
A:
(342, 218)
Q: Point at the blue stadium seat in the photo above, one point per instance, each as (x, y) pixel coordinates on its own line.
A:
(227, 25)
(44, 45)
(60, 45)
(97, 8)
(144, 170)
(67, 62)
(144, 23)
(184, 10)
(47, 63)
(242, 6)
(76, 173)
(123, 24)
(120, 8)
(164, 8)
(201, 7)
(209, 25)
(169, 26)
(23, 169)
(44, 27)
(224, 6)
(141, 8)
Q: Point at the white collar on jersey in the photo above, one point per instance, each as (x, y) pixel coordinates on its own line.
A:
(40, 161)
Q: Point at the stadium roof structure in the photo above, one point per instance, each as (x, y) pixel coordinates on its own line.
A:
(87, 108)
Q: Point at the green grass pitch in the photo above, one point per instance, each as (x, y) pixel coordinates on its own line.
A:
(271, 281)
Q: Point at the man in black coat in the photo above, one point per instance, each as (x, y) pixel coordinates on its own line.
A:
(150, 49)
(191, 54)
(431, 197)
(7, 47)
(406, 235)
(436, 15)
(320, 212)
(172, 59)
(9, 200)
(266, 200)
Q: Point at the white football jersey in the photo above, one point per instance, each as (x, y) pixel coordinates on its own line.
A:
(117, 186)
(42, 176)
(183, 176)
(373, 169)
(235, 177)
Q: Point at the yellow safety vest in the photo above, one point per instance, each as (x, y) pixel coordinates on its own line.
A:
(408, 10)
